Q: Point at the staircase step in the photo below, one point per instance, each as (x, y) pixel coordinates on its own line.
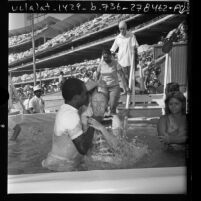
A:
(143, 111)
(144, 97)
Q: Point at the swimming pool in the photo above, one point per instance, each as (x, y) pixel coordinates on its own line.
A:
(34, 142)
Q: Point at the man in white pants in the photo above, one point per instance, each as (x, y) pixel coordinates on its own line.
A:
(127, 43)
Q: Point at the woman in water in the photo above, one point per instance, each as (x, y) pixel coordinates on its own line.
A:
(172, 127)
(110, 148)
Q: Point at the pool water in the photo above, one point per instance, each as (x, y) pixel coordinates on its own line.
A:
(35, 141)
(160, 155)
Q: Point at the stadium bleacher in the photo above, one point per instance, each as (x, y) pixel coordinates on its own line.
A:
(86, 28)
(97, 23)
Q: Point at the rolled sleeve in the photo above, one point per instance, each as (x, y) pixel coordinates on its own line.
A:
(74, 126)
(75, 132)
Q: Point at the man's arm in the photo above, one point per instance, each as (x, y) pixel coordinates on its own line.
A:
(179, 138)
(161, 126)
(111, 139)
(134, 43)
(114, 47)
(98, 72)
(43, 103)
(84, 141)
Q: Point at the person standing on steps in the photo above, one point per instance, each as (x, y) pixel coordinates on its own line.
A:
(127, 44)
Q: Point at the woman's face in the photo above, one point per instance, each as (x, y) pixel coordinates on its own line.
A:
(107, 58)
(99, 104)
(175, 106)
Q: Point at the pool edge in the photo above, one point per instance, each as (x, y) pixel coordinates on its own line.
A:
(171, 180)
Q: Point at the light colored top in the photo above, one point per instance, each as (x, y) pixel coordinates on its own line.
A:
(126, 46)
(26, 103)
(60, 78)
(68, 122)
(67, 127)
(109, 72)
(37, 104)
(174, 129)
(171, 125)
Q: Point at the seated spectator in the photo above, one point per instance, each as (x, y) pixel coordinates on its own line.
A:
(178, 34)
(172, 127)
(37, 104)
(183, 32)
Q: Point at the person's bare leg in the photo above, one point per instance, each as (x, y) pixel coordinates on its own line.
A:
(126, 75)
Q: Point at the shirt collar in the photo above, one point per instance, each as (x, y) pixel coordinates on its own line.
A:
(70, 106)
(127, 35)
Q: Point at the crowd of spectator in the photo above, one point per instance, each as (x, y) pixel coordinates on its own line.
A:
(50, 77)
(94, 25)
(85, 70)
(18, 39)
(146, 68)
(77, 69)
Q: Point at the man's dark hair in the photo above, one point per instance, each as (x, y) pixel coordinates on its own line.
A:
(106, 51)
(61, 73)
(71, 87)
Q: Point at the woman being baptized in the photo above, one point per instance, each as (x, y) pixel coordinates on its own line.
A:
(109, 147)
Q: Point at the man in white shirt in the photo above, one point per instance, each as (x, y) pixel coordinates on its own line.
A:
(70, 143)
(127, 43)
(37, 104)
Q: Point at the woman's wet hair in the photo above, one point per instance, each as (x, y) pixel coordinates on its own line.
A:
(71, 87)
(99, 103)
(98, 93)
(180, 97)
(172, 87)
